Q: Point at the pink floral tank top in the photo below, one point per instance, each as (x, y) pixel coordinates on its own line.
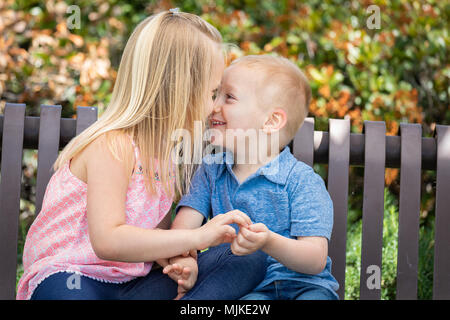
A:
(58, 239)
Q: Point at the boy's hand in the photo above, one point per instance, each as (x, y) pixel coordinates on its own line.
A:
(218, 229)
(184, 271)
(250, 239)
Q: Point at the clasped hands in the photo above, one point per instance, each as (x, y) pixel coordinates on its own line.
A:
(251, 237)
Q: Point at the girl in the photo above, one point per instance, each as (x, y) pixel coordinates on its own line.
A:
(105, 208)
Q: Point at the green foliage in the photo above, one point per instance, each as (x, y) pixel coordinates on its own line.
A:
(399, 72)
(389, 254)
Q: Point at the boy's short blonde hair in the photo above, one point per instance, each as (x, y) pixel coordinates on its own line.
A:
(291, 89)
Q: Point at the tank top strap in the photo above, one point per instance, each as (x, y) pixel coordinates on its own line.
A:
(136, 154)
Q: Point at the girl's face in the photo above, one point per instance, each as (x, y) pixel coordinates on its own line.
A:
(219, 66)
(236, 107)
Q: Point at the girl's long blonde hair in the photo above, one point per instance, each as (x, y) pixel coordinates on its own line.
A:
(162, 85)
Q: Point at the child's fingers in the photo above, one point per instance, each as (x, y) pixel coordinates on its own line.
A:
(228, 238)
(258, 227)
(242, 241)
(242, 218)
(249, 234)
(237, 249)
(185, 274)
(238, 246)
(167, 269)
(228, 231)
(174, 268)
(180, 295)
(193, 253)
(237, 217)
(178, 268)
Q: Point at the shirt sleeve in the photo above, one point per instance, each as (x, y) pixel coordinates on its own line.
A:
(311, 208)
(199, 194)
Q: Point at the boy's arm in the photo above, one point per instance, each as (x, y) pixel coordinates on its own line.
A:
(304, 254)
(311, 224)
(311, 220)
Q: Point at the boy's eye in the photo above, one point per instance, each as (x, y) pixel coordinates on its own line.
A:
(229, 96)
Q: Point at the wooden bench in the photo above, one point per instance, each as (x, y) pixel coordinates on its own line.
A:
(339, 148)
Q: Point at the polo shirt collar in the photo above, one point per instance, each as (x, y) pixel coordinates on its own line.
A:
(277, 170)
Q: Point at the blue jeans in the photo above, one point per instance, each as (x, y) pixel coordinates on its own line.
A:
(222, 276)
(291, 290)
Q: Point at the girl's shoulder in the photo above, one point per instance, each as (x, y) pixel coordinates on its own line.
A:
(99, 151)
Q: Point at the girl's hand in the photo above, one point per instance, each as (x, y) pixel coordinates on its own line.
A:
(184, 271)
(250, 239)
(218, 229)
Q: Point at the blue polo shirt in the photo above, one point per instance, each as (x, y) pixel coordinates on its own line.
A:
(285, 194)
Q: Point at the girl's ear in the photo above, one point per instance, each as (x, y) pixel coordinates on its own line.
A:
(276, 121)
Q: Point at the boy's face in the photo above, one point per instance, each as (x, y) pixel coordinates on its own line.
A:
(237, 107)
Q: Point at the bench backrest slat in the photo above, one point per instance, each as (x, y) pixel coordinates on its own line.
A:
(49, 139)
(441, 278)
(49, 132)
(85, 117)
(409, 211)
(338, 176)
(10, 185)
(373, 209)
(303, 144)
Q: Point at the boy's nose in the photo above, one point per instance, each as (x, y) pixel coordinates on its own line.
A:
(217, 106)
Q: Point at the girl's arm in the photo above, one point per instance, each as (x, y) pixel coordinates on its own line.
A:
(187, 218)
(112, 238)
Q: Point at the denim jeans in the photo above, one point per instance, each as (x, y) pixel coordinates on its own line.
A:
(291, 290)
(222, 275)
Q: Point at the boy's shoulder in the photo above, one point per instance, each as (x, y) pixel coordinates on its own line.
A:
(303, 176)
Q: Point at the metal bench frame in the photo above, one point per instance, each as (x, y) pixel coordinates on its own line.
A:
(339, 148)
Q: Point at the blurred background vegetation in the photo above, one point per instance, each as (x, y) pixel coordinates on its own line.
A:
(397, 73)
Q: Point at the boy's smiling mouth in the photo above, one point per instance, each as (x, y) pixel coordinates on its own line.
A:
(217, 123)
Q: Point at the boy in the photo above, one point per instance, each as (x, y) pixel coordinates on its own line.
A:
(290, 208)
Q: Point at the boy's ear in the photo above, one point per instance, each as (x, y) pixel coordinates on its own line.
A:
(276, 121)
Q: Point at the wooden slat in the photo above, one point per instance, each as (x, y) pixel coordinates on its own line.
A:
(338, 170)
(441, 278)
(373, 206)
(303, 145)
(85, 117)
(49, 132)
(11, 173)
(409, 213)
